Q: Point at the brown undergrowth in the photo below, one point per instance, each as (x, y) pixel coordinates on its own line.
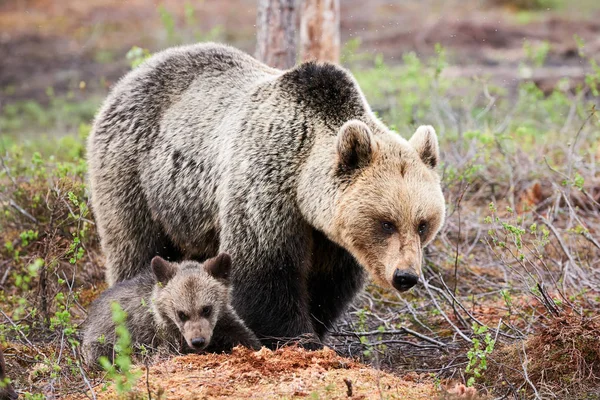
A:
(561, 359)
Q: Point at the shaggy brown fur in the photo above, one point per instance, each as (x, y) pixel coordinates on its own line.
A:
(181, 307)
(204, 149)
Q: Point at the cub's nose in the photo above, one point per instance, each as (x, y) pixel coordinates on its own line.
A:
(404, 280)
(198, 342)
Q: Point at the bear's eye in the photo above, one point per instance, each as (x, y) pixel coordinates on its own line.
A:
(388, 227)
(206, 311)
(422, 228)
(182, 316)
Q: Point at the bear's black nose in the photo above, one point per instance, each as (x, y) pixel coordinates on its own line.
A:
(403, 280)
(198, 342)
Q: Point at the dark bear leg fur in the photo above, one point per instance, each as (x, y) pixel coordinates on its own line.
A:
(335, 279)
(269, 288)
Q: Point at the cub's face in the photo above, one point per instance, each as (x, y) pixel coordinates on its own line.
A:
(192, 296)
(393, 205)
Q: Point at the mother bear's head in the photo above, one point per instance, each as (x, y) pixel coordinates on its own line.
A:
(368, 189)
(385, 199)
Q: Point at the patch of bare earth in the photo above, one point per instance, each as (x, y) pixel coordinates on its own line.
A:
(289, 372)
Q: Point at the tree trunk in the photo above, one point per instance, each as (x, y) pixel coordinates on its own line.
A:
(320, 30)
(276, 33)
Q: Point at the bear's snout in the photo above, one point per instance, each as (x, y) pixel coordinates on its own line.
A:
(198, 342)
(404, 280)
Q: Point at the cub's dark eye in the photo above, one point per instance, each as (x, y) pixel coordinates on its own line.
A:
(206, 311)
(388, 227)
(182, 316)
(422, 228)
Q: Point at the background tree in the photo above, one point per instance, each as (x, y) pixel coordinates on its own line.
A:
(276, 33)
(320, 30)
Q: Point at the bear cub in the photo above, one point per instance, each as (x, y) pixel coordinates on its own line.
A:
(181, 307)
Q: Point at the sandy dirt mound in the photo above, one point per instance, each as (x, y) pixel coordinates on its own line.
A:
(286, 373)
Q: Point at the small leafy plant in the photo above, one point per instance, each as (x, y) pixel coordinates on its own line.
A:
(478, 354)
(120, 371)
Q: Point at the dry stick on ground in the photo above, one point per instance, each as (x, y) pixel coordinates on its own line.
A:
(20, 209)
(400, 331)
(589, 197)
(458, 208)
(5, 276)
(85, 379)
(566, 198)
(524, 366)
(412, 312)
(459, 303)
(548, 302)
(14, 182)
(539, 257)
(16, 327)
(456, 329)
(517, 271)
(560, 242)
(543, 298)
(452, 303)
(398, 341)
(585, 233)
(348, 383)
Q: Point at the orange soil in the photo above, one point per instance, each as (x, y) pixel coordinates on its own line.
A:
(286, 373)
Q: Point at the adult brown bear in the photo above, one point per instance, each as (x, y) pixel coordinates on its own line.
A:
(203, 149)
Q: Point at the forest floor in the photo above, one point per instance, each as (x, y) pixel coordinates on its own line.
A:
(290, 373)
(510, 299)
(60, 44)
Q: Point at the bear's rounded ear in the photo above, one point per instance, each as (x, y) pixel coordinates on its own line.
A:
(425, 141)
(354, 145)
(164, 270)
(219, 267)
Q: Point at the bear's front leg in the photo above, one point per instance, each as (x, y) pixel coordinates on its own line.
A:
(335, 278)
(269, 280)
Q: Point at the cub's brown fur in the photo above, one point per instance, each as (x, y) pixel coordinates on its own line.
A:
(204, 149)
(182, 307)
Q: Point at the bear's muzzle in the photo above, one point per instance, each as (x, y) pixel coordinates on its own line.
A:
(404, 280)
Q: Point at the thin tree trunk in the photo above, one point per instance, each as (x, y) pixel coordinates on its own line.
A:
(320, 30)
(276, 33)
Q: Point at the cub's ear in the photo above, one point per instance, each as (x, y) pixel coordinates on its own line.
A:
(354, 145)
(164, 270)
(219, 267)
(425, 141)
